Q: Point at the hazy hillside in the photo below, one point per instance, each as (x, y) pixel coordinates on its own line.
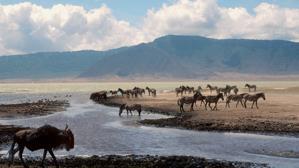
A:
(199, 57)
(171, 56)
(49, 65)
(140, 60)
(248, 56)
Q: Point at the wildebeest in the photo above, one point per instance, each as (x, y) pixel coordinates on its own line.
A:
(250, 87)
(253, 98)
(213, 99)
(212, 87)
(97, 96)
(151, 91)
(46, 137)
(188, 100)
(236, 98)
(130, 108)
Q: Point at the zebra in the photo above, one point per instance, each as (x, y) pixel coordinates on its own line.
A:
(200, 98)
(124, 92)
(230, 88)
(139, 91)
(213, 99)
(225, 91)
(190, 89)
(212, 88)
(199, 89)
(254, 98)
(235, 90)
(179, 91)
(130, 108)
(237, 98)
(250, 87)
(188, 100)
(151, 91)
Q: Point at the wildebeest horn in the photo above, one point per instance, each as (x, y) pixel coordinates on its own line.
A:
(66, 126)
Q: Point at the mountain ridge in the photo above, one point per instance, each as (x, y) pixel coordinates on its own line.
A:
(171, 56)
(201, 57)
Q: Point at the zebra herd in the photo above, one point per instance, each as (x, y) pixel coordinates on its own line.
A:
(134, 93)
(242, 98)
(129, 93)
(186, 89)
(225, 90)
(230, 92)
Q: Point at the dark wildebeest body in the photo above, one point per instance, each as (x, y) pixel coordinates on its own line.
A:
(237, 98)
(98, 96)
(212, 88)
(151, 91)
(250, 87)
(253, 98)
(213, 99)
(188, 100)
(46, 137)
(130, 108)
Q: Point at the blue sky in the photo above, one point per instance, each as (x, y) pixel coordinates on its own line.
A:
(129, 10)
(39, 27)
(134, 10)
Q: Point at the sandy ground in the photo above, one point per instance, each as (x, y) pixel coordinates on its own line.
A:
(279, 113)
(42, 107)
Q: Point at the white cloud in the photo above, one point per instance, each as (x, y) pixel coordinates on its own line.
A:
(26, 27)
(207, 18)
(183, 17)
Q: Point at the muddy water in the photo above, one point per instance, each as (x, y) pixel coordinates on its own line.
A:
(99, 130)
